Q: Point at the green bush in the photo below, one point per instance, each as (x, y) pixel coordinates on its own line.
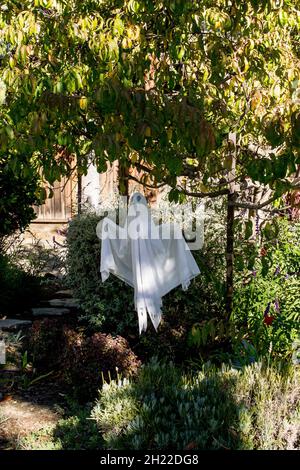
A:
(18, 289)
(266, 299)
(19, 190)
(77, 432)
(109, 306)
(255, 408)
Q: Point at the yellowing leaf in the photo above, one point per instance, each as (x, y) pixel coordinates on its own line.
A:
(169, 133)
(11, 62)
(126, 43)
(134, 156)
(205, 74)
(203, 188)
(246, 64)
(255, 100)
(83, 102)
(148, 131)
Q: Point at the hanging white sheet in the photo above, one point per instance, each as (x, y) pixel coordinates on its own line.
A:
(153, 259)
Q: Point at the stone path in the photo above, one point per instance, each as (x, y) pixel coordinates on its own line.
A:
(63, 304)
(31, 411)
(66, 303)
(66, 293)
(10, 324)
(49, 312)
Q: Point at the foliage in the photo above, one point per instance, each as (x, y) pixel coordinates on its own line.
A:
(18, 288)
(208, 331)
(38, 259)
(255, 408)
(39, 440)
(18, 192)
(157, 85)
(74, 431)
(89, 361)
(266, 302)
(265, 318)
(82, 362)
(159, 82)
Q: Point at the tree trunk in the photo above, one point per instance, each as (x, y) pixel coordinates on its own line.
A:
(229, 253)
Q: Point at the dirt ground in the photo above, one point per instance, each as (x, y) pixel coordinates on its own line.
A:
(26, 413)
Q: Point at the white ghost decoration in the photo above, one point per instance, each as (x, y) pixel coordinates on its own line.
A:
(153, 259)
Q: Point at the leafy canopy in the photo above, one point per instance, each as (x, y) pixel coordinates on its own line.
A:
(160, 82)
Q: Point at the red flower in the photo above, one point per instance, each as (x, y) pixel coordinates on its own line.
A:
(268, 320)
(263, 251)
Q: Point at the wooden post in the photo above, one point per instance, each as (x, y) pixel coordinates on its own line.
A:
(123, 180)
(229, 253)
(79, 186)
(230, 230)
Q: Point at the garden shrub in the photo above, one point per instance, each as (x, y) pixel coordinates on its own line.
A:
(82, 362)
(18, 289)
(89, 361)
(77, 432)
(181, 310)
(266, 299)
(254, 408)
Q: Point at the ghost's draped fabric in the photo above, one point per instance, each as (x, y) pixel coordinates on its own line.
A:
(142, 255)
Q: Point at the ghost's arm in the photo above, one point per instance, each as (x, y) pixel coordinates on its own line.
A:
(115, 253)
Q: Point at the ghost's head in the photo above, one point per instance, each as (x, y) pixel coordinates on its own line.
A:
(137, 199)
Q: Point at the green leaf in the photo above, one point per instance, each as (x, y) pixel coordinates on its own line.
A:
(280, 166)
(10, 132)
(265, 266)
(249, 229)
(239, 262)
(118, 26)
(173, 195)
(180, 52)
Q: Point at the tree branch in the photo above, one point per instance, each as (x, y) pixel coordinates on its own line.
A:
(201, 194)
(151, 186)
(250, 205)
(142, 167)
